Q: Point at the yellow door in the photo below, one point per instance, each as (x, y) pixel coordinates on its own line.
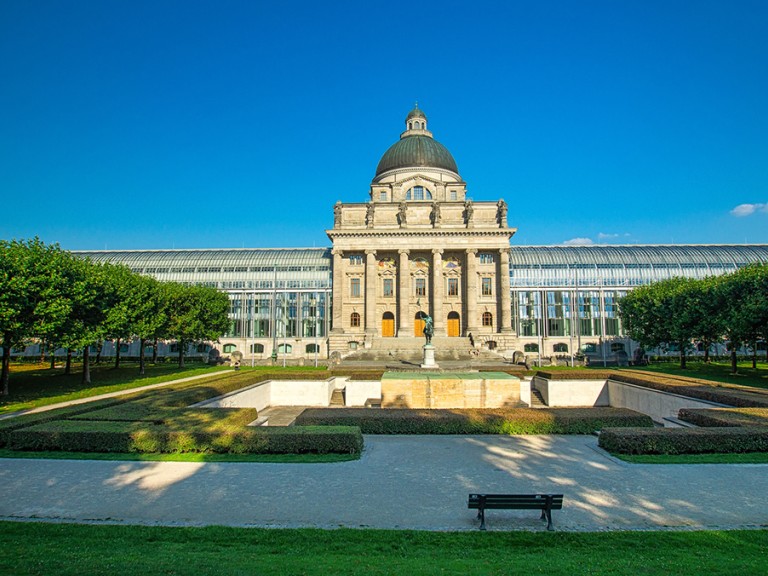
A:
(388, 325)
(418, 327)
(454, 326)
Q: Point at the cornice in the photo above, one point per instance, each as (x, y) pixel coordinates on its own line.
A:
(422, 233)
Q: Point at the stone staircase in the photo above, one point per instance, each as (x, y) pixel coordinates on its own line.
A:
(537, 400)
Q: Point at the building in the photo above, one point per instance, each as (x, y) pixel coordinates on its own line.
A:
(419, 245)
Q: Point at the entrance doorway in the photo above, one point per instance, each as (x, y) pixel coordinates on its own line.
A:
(418, 325)
(454, 325)
(388, 325)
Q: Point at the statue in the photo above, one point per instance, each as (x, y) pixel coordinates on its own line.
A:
(429, 327)
(435, 214)
(501, 213)
(369, 215)
(468, 212)
(337, 214)
(402, 213)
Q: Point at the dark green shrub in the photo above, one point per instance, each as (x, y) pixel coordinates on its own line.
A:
(684, 440)
(725, 417)
(474, 421)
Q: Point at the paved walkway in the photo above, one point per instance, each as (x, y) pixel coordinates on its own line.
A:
(418, 482)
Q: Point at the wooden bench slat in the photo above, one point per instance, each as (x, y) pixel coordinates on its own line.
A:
(544, 502)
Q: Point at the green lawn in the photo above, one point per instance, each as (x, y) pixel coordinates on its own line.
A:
(32, 387)
(66, 549)
(715, 371)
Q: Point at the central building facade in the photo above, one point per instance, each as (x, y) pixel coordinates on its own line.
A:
(418, 246)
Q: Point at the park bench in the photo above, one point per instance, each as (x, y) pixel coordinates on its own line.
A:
(544, 502)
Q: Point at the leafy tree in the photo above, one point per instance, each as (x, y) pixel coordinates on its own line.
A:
(195, 313)
(31, 299)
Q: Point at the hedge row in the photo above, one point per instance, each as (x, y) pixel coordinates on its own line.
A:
(143, 437)
(575, 374)
(683, 440)
(474, 421)
(724, 417)
(703, 390)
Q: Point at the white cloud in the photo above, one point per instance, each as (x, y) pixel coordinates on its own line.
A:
(578, 242)
(747, 209)
(604, 236)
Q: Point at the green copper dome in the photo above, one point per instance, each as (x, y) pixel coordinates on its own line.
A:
(416, 152)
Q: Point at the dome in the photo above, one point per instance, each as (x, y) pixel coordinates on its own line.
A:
(416, 148)
(414, 152)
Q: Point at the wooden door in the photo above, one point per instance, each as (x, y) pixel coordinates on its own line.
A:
(388, 325)
(418, 326)
(454, 325)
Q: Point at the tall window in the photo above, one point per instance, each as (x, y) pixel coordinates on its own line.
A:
(354, 320)
(418, 193)
(487, 319)
(388, 287)
(354, 287)
(453, 286)
(356, 259)
(486, 258)
(454, 195)
(421, 286)
(382, 196)
(487, 286)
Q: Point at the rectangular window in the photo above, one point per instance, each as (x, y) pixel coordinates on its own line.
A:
(382, 196)
(486, 258)
(453, 286)
(421, 286)
(356, 260)
(454, 195)
(487, 287)
(388, 288)
(354, 288)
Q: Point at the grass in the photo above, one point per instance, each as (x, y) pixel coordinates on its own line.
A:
(746, 458)
(67, 549)
(715, 371)
(185, 457)
(34, 386)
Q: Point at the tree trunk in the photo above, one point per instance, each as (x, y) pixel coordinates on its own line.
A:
(154, 351)
(6, 372)
(68, 366)
(181, 354)
(42, 353)
(754, 355)
(53, 356)
(734, 365)
(99, 348)
(141, 356)
(86, 365)
(117, 353)
(682, 355)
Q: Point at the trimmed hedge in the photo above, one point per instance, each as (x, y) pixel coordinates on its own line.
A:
(724, 417)
(143, 437)
(474, 421)
(683, 440)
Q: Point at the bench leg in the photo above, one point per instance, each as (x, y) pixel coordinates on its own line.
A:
(547, 513)
(481, 516)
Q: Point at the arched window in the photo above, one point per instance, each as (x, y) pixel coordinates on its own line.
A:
(418, 193)
(312, 348)
(531, 347)
(617, 346)
(125, 347)
(203, 348)
(487, 319)
(284, 349)
(257, 348)
(560, 347)
(354, 320)
(229, 348)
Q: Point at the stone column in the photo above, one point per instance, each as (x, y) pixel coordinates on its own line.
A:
(403, 296)
(505, 298)
(338, 289)
(438, 286)
(370, 292)
(472, 321)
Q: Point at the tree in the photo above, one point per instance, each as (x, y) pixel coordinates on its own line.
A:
(31, 298)
(195, 313)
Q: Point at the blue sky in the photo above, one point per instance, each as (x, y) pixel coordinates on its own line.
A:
(189, 124)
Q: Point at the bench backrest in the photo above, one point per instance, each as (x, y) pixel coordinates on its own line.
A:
(516, 501)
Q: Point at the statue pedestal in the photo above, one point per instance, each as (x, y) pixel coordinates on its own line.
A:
(429, 357)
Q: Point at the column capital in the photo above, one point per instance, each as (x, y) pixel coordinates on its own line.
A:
(337, 252)
(506, 251)
(405, 251)
(370, 252)
(471, 250)
(437, 251)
